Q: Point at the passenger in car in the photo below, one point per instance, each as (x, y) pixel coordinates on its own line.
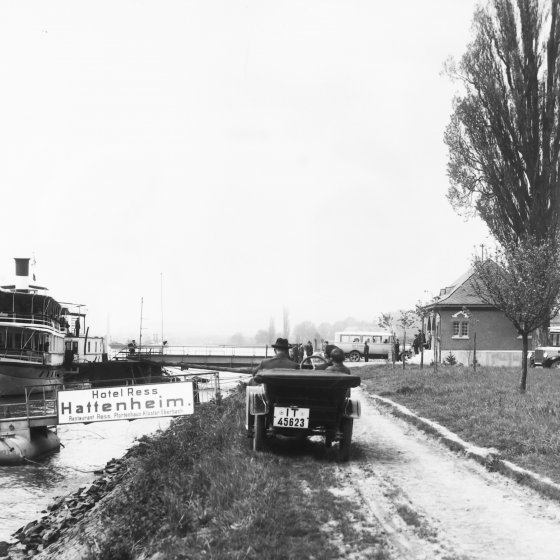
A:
(337, 358)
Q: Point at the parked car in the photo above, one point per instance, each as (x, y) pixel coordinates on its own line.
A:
(548, 356)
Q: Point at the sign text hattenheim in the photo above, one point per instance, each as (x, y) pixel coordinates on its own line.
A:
(125, 403)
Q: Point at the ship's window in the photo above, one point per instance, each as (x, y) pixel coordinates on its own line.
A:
(96, 346)
(89, 347)
(2, 340)
(9, 340)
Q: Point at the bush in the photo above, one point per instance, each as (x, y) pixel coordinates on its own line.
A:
(450, 359)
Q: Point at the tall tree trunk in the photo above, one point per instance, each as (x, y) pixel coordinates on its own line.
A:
(474, 351)
(523, 384)
(422, 346)
(404, 351)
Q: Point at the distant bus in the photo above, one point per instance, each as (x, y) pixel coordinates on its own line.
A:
(352, 343)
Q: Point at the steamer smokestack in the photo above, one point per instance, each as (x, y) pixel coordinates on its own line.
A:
(22, 274)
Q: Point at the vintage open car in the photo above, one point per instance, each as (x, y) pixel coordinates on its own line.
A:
(302, 402)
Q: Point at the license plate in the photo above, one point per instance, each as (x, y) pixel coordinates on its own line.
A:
(286, 417)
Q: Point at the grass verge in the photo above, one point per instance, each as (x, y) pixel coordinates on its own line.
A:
(196, 491)
(484, 408)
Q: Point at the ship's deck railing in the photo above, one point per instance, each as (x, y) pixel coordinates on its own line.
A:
(37, 402)
(23, 355)
(127, 353)
(34, 319)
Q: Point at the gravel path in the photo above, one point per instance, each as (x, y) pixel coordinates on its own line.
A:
(434, 504)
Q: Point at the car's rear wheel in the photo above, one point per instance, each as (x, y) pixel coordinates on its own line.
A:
(346, 427)
(260, 433)
(354, 356)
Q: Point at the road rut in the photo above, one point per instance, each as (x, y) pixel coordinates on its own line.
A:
(434, 503)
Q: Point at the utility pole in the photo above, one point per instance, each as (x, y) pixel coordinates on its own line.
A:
(141, 313)
(161, 304)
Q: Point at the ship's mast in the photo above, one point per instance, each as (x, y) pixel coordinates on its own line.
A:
(141, 312)
(161, 303)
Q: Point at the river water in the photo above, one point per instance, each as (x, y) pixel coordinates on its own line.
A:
(25, 491)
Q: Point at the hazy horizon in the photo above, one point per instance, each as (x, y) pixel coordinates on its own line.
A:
(236, 158)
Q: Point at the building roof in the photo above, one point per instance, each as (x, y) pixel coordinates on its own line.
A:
(460, 293)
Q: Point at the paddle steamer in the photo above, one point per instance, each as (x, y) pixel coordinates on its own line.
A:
(39, 337)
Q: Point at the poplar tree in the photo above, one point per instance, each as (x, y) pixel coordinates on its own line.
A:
(504, 134)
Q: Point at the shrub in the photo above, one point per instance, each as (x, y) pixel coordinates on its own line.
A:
(450, 359)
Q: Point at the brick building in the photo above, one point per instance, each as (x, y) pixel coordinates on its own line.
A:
(454, 331)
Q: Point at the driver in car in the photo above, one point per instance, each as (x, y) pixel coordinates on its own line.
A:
(281, 360)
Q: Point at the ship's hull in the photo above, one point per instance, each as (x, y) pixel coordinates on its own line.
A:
(16, 377)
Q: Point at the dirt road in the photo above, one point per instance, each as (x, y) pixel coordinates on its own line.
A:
(434, 504)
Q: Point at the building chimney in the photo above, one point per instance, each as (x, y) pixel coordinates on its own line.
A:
(22, 274)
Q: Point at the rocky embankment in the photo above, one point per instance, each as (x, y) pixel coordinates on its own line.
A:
(51, 535)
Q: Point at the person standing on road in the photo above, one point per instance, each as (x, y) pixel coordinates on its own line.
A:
(416, 344)
(366, 351)
(328, 349)
(309, 348)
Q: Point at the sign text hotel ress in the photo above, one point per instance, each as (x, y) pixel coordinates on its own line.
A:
(125, 403)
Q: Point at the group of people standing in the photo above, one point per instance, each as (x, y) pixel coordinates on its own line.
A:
(422, 341)
(299, 351)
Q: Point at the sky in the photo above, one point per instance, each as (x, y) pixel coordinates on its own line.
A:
(223, 160)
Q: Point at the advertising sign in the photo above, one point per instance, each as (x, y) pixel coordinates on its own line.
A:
(125, 403)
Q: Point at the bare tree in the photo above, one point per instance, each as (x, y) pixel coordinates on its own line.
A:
(304, 331)
(524, 283)
(271, 330)
(237, 339)
(262, 337)
(387, 321)
(504, 133)
(285, 322)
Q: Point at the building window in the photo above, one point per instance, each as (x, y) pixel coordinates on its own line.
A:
(460, 329)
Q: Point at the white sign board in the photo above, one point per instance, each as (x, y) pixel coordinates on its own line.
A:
(125, 403)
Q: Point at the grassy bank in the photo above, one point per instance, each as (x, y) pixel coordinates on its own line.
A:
(196, 491)
(484, 408)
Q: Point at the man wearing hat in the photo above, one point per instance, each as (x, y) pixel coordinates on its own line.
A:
(281, 360)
